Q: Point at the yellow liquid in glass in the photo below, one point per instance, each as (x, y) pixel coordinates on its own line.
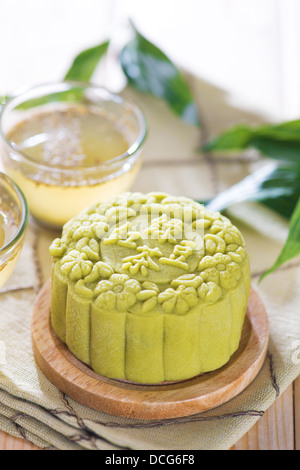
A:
(75, 138)
(6, 269)
(8, 260)
(54, 205)
(70, 138)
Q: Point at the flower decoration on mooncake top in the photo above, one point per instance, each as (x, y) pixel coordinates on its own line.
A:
(93, 225)
(76, 265)
(187, 254)
(90, 247)
(179, 301)
(119, 292)
(220, 269)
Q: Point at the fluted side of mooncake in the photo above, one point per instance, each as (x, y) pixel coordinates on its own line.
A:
(150, 288)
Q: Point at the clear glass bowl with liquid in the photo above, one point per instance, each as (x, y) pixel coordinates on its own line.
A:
(69, 145)
(13, 224)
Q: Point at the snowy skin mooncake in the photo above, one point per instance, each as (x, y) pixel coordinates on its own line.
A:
(150, 288)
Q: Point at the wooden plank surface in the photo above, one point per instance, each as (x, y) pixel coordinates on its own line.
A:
(8, 442)
(275, 430)
(279, 428)
(297, 413)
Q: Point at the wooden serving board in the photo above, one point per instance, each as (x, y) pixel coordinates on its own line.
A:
(148, 402)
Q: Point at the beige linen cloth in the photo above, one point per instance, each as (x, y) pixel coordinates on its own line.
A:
(31, 407)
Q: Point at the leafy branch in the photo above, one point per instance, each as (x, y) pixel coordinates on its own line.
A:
(276, 185)
(147, 69)
(85, 64)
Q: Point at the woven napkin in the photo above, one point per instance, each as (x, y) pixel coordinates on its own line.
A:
(31, 407)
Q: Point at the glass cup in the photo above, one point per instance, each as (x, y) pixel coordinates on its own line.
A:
(13, 224)
(54, 191)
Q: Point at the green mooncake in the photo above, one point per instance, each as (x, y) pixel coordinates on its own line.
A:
(150, 288)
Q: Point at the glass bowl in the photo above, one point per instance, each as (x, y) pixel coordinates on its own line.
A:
(57, 190)
(13, 224)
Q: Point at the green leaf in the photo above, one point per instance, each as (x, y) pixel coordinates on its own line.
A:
(234, 139)
(288, 130)
(3, 99)
(149, 70)
(280, 142)
(84, 65)
(277, 148)
(275, 185)
(82, 69)
(291, 248)
(68, 96)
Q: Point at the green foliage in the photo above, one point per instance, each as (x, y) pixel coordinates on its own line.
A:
(85, 64)
(291, 248)
(276, 185)
(149, 70)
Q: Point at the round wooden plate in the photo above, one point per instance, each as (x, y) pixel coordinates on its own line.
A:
(163, 401)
